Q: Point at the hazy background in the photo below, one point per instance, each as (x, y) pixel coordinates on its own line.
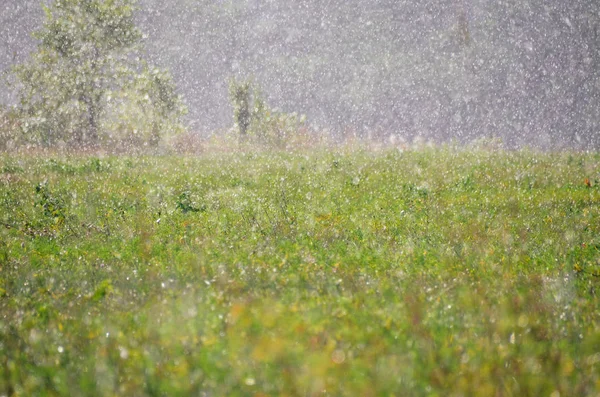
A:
(526, 71)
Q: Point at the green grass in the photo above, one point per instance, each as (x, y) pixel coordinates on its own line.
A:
(434, 272)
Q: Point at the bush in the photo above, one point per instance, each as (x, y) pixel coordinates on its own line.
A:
(9, 128)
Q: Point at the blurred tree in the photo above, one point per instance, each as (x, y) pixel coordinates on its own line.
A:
(240, 95)
(258, 123)
(8, 126)
(87, 83)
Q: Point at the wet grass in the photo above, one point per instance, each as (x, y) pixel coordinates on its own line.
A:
(433, 272)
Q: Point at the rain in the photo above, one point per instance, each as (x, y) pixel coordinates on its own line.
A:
(339, 197)
(523, 73)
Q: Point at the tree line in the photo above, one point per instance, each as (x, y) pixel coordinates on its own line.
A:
(524, 71)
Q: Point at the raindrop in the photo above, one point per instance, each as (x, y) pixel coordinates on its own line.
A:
(123, 353)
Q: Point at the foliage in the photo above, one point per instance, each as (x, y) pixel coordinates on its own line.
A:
(257, 122)
(87, 84)
(433, 272)
(241, 99)
(9, 128)
(146, 119)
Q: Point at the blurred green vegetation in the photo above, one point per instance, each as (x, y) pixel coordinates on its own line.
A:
(258, 123)
(87, 83)
(430, 272)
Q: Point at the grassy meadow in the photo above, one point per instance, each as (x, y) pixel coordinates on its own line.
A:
(434, 272)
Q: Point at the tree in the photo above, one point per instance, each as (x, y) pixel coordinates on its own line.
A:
(88, 84)
(240, 96)
(256, 122)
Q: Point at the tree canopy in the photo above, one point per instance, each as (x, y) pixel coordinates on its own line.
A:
(88, 84)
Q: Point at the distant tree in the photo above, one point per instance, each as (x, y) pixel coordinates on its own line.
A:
(240, 94)
(258, 123)
(87, 82)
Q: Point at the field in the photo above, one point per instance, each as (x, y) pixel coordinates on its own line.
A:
(417, 273)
